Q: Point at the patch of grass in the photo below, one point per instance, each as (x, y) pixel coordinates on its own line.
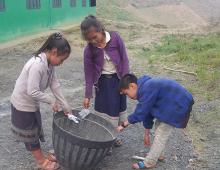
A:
(200, 54)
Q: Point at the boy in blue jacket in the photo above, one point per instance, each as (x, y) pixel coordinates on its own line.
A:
(158, 98)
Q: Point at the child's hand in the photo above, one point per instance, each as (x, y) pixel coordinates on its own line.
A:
(119, 129)
(56, 107)
(67, 110)
(122, 126)
(86, 103)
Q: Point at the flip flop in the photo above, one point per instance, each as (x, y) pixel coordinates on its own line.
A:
(51, 157)
(48, 165)
(141, 165)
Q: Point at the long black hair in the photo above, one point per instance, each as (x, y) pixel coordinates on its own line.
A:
(55, 40)
(88, 22)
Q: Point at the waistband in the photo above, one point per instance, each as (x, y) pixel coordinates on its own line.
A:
(109, 75)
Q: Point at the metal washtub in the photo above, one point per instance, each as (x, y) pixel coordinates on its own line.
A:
(81, 146)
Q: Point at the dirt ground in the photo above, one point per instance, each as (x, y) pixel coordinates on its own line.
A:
(180, 153)
(15, 157)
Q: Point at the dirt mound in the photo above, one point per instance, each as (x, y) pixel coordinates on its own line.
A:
(185, 14)
(172, 16)
(153, 3)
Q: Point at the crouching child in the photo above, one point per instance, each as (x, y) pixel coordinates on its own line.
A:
(161, 99)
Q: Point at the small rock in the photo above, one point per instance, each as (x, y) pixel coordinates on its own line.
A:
(200, 159)
(202, 139)
(191, 160)
(195, 155)
(175, 157)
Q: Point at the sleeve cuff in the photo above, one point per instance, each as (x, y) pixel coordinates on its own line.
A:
(148, 126)
(130, 120)
(88, 95)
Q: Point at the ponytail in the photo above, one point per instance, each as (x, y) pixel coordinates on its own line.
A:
(57, 41)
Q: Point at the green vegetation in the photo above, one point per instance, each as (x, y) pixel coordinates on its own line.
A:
(200, 54)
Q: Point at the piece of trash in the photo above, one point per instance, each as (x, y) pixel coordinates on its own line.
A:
(191, 160)
(175, 157)
(73, 118)
(83, 113)
(138, 158)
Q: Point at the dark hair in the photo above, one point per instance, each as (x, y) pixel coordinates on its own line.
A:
(88, 22)
(126, 80)
(57, 41)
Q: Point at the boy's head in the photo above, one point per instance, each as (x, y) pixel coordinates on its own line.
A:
(128, 85)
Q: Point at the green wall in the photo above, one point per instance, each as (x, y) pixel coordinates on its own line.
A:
(16, 20)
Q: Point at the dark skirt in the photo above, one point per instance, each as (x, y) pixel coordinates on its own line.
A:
(108, 99)
(26, 126)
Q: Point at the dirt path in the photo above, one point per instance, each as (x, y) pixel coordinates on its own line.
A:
(137, 35)
(14, 155)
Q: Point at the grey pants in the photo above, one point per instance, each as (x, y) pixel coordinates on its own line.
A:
(162, 133)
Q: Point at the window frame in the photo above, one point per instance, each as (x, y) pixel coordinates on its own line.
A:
(92, 3)
(73, 3)
(2, 5)
(33, 4)
(57, 3)
(84, 3)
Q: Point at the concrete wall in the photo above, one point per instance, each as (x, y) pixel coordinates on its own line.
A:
(16, 19)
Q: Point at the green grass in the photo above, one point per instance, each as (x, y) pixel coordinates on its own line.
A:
(200, 54)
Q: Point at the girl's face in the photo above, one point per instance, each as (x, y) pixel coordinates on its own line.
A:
(55, 59)
(95, 38)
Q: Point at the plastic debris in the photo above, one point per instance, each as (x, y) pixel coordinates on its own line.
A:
(83, 113)
(73, 118)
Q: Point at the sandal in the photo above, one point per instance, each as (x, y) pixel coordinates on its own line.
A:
(48, 165)
(51, 157)
(118, 142)
(142, 165)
